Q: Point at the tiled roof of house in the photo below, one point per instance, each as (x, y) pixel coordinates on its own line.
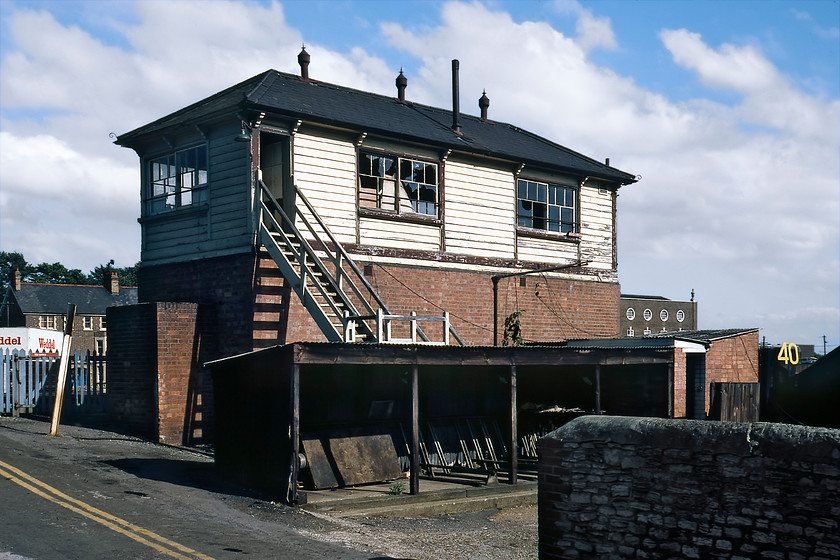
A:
(53, 298)
(329, 104)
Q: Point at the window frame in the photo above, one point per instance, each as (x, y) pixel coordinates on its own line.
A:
(49, 322)
(532, 190)
(630, 314)
(663, 315)
(87, 322)
(173, 184)
(402, 206)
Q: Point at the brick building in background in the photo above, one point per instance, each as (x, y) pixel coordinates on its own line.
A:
(650, 315)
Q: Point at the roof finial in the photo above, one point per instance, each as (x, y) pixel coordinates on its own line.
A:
(303, 60)
(483, 104)
(402, 82)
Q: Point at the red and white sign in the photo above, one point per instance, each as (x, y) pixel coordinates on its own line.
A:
(39, 341)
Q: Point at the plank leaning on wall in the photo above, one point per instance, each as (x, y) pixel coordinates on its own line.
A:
(62, 368)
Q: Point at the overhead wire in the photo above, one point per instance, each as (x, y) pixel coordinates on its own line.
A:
(427, 300)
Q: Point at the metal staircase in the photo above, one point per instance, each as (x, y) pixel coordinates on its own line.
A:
(326, 279)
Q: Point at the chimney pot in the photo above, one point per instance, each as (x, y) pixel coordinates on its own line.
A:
(402, 82)
(456, 111)
(112, 282)
(303, 60)
(16, 280)
(607, 162)
(483, 104)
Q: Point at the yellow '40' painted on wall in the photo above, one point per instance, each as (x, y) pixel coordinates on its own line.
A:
(789, 354)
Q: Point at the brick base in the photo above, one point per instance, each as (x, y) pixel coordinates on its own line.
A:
(157, 386)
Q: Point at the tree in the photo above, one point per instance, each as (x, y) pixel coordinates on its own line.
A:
(57, 273)
(9, 262)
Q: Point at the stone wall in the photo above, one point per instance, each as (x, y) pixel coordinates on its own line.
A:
(618, 487)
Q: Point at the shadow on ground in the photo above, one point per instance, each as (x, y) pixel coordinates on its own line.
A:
(194, 474)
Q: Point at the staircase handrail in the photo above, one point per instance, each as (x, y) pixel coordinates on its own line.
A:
(337, 254)
(305, 249)
(339, 249)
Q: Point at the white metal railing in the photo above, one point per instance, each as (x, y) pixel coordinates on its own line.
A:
(385, 322)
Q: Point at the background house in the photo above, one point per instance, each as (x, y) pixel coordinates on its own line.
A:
(645, 315)
(44, 306)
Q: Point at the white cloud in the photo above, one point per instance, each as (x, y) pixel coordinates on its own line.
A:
(56, 201)
(595, 32)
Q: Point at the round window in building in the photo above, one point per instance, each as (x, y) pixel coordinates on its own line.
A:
(663, 314)
(680, 316)
(648, 314)
(631, 313)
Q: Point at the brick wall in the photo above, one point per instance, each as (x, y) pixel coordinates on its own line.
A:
(157, 386)
(733, 359)
(612, 487)
(680, 384)
(226, 283)
(132, 379)
(555, 308)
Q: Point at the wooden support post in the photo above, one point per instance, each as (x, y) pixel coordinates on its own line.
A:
(64, 361)
(514, 450)
(414, 473)
(597, 388)
(294, 433)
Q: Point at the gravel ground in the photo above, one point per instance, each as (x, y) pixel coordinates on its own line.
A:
(508, 534)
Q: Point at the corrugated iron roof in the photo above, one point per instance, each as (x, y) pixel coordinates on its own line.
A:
(705, 336)
(622, 344)
(325, 103)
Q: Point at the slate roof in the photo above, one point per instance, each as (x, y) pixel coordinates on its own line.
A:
(52, 299)
(314, 101)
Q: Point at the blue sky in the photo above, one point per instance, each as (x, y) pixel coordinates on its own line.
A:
(728, 110)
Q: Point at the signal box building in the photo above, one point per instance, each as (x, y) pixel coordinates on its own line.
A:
(312, 243)
(429, 205)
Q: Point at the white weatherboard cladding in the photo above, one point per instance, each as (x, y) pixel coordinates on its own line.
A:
(325, 170)
(535, 249)
(596, 227)
(480, 210)
(395, 234)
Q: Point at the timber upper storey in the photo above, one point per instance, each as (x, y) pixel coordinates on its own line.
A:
(287, 95)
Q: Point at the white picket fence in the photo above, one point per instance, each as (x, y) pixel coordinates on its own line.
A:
(28, 382)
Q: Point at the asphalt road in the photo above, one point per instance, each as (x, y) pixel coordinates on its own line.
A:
(92, 494)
